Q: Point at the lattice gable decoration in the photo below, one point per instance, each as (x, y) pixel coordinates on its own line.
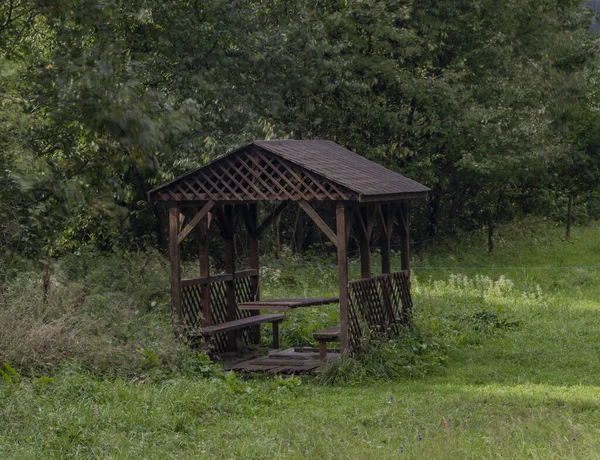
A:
(251, 174)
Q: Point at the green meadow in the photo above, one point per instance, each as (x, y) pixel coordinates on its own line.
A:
(503, 362)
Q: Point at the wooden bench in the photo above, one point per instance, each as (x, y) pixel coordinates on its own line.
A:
(244, 323)
(328, 335)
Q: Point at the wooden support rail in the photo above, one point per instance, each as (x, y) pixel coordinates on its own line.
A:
(319, 221)
(197, 218)
(217, 278)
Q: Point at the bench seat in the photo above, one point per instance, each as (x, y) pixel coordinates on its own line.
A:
(328, 335)
(242, 323)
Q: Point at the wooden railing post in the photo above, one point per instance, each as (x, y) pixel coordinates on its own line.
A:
(254, 262)
(365, 243)
(204, 262)
(229, 249)
(404, 236)
(385, 237)
(174, 258)
(342, 256)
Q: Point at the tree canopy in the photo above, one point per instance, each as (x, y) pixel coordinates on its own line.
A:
(491, 104)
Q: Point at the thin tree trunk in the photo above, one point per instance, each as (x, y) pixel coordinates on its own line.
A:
(491, 236)
(46, 283)
(569, 216)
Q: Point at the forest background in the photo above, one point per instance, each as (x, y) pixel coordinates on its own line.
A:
(494, 105)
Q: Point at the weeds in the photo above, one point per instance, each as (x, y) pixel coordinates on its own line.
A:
(102, 311)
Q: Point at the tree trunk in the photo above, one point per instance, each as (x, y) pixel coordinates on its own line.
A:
(161, 235)
(434, 211)
(569, 216)
(491, 227)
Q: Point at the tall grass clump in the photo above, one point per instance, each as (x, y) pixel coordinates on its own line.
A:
(107, 312)
(448, 314)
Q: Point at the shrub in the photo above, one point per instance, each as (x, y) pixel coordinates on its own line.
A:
(410, 355)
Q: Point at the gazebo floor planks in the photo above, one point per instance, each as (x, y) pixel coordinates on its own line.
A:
(287, 361)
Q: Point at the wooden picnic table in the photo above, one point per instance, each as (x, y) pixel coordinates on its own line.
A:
(287, 304)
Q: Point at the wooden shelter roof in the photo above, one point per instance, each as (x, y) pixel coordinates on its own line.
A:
(290, 170)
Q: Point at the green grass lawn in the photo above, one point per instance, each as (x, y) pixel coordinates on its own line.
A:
(521, 376)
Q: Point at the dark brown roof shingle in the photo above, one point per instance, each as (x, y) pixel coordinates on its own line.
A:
(361, 179)
(343, 166)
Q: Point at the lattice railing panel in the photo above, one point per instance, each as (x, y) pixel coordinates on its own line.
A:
(192, 307)
(243, 293)
(250, 175)
(381, 303)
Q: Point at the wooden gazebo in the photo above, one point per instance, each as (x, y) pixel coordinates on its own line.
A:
(227, 307)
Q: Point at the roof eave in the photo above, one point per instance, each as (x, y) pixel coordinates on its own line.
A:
(388, 197)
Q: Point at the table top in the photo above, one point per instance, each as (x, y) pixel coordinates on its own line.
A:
(287, 304)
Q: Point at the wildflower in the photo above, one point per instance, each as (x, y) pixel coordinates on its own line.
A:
(401, 449)
(391, 399)
(574, 439)
(412, 411)
(419, 437)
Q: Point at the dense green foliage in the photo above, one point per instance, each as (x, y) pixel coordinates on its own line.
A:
(492, 104)
(517, 331)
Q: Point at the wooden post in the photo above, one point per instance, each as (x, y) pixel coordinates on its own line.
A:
(204, 270)
(174, 257)
(365, 244)
(385, 238)
(404, 236)
(254, 263)
(229, 248)
(342, 253)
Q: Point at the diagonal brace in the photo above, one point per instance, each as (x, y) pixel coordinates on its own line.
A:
(197, 218)
(319, 221)
(271, 217)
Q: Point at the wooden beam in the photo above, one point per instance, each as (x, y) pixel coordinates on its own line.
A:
(204, 265)
(271, 217)
(366, 219)
(404, 236)
(385, 238)
(228, 217)
(251, 218)
(174, 258)
(392, 197)
(366, 214)
(227, 224)
(363, 225)
(371, 211)
(319, 221)
(197, 218)
(384, 221)
(245, 211)
(342, 256)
